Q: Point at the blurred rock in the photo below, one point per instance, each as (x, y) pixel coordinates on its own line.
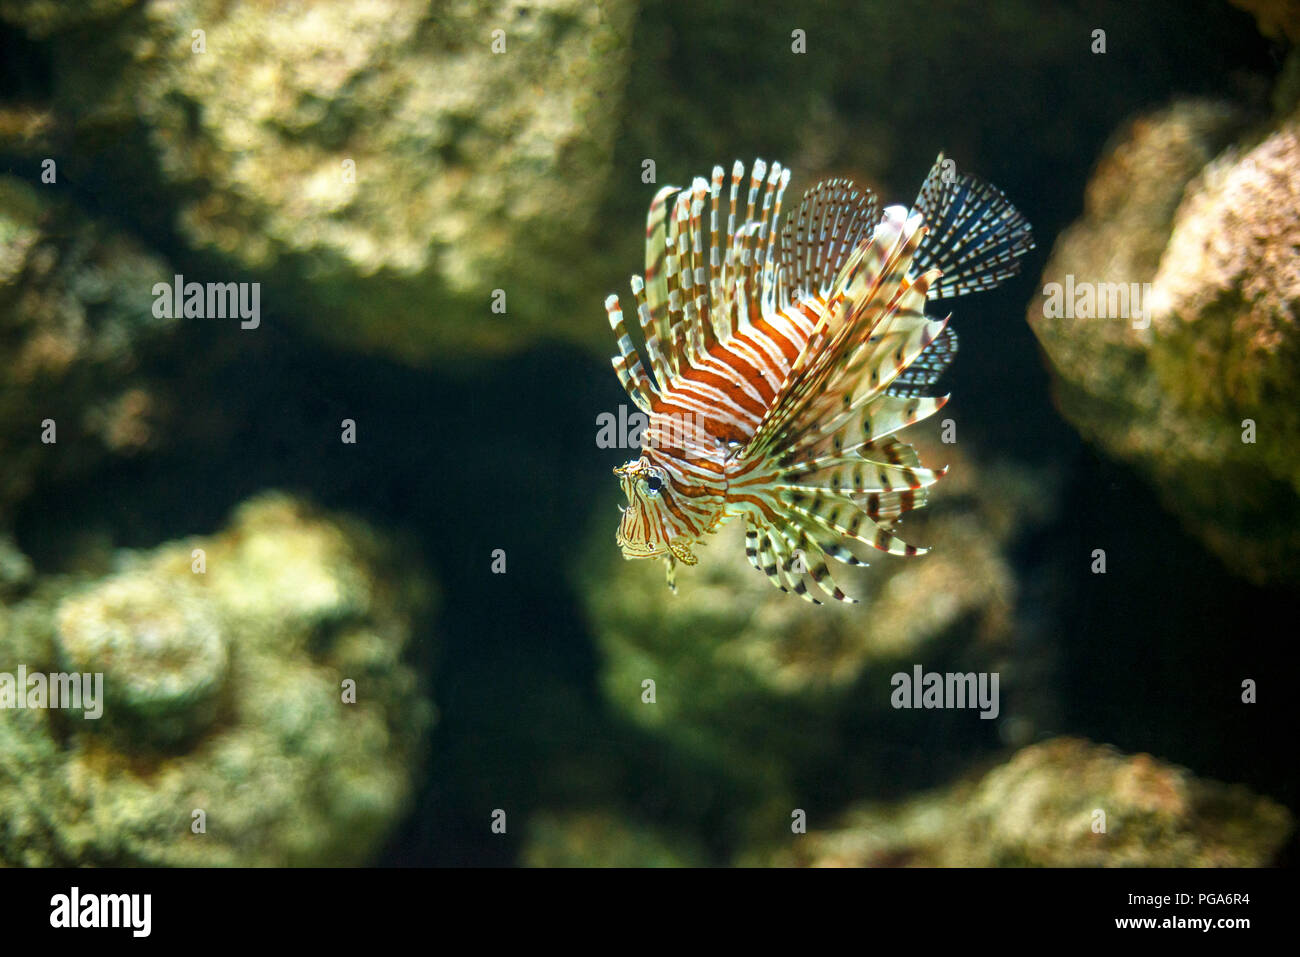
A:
(1276, 18)
(1205, 400)
(223, 692)
(379, 166)
(160, 645)
(16, 570)
(76, 317)
(42, 18)
(1038, 810)
(600, 839)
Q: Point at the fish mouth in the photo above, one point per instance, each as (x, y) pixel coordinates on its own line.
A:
(636, 547)
(639, 549)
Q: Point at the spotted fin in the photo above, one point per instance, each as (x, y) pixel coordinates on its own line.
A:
(975, 236)
(919, 377)
(832, 219)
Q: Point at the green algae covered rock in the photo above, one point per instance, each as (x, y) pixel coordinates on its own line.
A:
(160, 644)
(43, 18)
(76, 319)
(258, 677)
(1202, 394)
(381, 167)
(1063, 803)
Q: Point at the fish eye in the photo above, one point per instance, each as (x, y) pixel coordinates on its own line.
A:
(654, 483)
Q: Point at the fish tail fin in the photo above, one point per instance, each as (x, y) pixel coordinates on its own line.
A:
(976, 236)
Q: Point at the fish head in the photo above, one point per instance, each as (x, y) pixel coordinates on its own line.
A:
(645, 528)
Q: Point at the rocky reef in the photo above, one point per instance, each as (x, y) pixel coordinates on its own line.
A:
(1196, 209)
(1063, 803)
(75, 311)
(383, 168)
(260, 705)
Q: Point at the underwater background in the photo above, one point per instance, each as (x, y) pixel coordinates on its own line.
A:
(350, 574)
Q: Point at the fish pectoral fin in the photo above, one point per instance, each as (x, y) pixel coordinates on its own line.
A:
(682, 551)
(671, 573)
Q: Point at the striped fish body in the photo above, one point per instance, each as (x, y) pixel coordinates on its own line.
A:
(781, 369)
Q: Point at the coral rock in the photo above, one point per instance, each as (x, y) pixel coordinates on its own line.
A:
(1063, 803)
(225, 663)
(1203, 401)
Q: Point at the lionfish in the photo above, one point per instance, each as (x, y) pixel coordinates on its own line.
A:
(779, 372)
